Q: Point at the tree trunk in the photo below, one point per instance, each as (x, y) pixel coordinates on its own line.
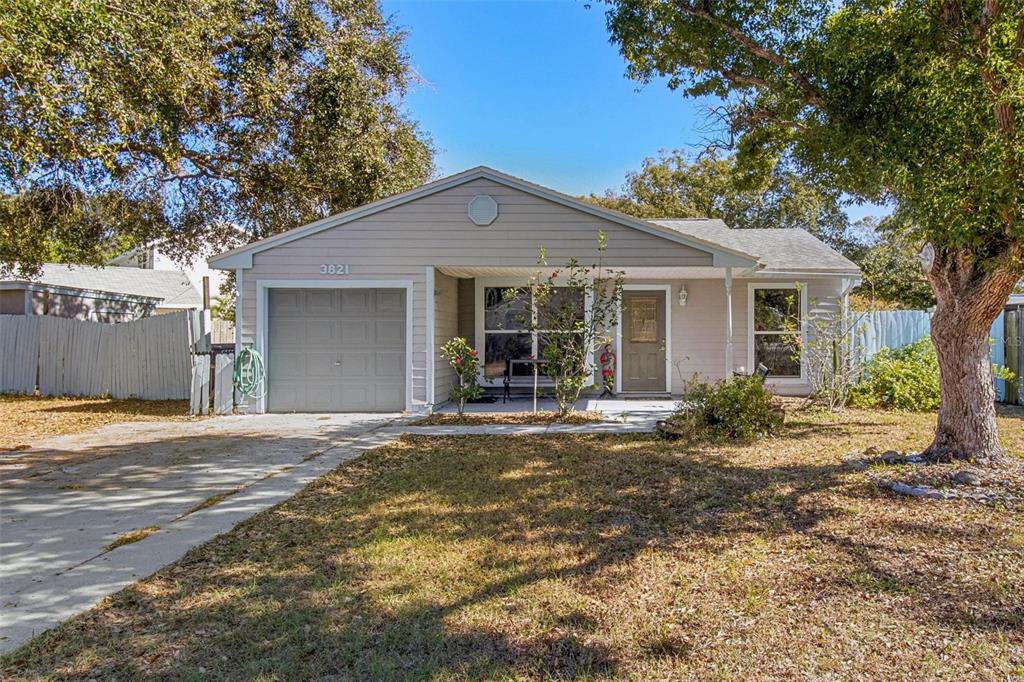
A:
(968, 301)
(966, 428)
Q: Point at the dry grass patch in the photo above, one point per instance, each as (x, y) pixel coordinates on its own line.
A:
(484, 418)
(585, 557)
(131, 537)
(28, 419)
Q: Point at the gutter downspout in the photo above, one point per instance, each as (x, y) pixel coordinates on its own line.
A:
(728, 322)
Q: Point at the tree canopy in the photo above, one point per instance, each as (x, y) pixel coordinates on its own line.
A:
(123, 122)
(712, 186)
(888, 260)
(912, 102)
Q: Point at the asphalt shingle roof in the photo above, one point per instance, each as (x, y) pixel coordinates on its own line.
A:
(172, 286)
(778, 249)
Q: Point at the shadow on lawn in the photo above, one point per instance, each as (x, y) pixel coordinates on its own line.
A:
(418, 560)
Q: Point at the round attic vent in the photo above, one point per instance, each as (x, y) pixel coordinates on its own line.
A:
(483, 209)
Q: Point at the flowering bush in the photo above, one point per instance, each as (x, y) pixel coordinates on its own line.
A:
(463, 359)
(571, 312)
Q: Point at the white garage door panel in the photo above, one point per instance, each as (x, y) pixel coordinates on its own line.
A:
(336, 350)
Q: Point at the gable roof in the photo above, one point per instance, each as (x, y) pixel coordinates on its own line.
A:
(172, 287)
(777, 250)
(721, 254)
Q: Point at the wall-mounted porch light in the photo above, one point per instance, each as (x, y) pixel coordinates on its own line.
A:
(683, 295)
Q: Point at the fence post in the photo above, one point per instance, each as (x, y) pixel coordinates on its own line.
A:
(200, 403)
(1012, 355)
(223, 389)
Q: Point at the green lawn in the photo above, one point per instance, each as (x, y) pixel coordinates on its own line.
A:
(582, 557)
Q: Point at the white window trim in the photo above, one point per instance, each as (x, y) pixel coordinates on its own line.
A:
(802, 288)
(667, 288)
(482, 283)
(263, 310)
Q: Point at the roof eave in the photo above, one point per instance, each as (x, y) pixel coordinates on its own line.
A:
(810, 272)
(241, 257)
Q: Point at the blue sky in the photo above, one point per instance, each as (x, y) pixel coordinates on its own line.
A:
(535, 89)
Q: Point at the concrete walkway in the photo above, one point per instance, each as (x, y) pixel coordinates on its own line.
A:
(56, 522)
(57, 519)
(613, 409)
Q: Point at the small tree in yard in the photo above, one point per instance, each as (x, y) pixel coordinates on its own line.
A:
(832, 366)
(464, 361)
(571, 310)
(919, 103)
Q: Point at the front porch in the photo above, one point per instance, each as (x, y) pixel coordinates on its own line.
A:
(675, 322)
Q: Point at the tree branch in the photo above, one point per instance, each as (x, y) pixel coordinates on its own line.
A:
(741, 79)
(811, 94)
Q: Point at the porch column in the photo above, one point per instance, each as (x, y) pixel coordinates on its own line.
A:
(728, 322)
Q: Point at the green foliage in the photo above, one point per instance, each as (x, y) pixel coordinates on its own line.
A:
(917, 101)
(463, 359)
(892, 273)
(905, 379)
(739, 408)
(223, 307)
(568, 331)
(189, 119)
(711, 186)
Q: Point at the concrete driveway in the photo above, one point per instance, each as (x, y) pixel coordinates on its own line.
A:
(63, 502)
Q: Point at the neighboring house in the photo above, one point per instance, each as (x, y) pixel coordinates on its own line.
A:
(107, 294)
(351, 311)
(151, 257)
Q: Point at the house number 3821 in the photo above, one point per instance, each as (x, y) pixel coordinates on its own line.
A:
(334, 269)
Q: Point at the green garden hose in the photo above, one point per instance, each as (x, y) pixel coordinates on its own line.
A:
(250, 373)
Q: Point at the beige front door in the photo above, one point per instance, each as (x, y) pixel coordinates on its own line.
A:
(643, 341)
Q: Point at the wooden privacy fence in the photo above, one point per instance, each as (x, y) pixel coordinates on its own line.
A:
(149, 358)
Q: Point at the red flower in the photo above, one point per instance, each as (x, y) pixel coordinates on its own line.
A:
(473, 352)
(554, 274)
(458, 359)
(532, 357)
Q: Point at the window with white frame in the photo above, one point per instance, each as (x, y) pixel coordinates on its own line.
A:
(507, 337)
(776, 330)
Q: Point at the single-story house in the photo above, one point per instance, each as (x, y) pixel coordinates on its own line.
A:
(350, 311)
(107, 294)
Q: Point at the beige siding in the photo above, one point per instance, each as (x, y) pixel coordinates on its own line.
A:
(698, 328)
(436, 230)
(446, 327)
(400, 243)
(467, 309)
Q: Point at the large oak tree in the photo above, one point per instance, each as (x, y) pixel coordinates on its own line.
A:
(918, 102)
(128, 121)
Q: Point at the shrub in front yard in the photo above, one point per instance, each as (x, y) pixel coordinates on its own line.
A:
(463, 359)
(903, 379)
(740, 408)
(906, 379)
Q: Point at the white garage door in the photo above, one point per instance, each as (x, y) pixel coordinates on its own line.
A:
(336, 350)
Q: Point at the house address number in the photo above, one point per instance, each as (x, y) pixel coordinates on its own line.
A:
(335, 269)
